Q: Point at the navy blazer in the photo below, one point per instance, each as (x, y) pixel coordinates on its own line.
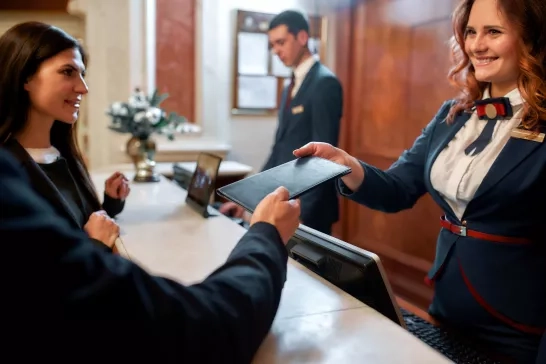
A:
(53, 277)
(511, 201)
(313, 114)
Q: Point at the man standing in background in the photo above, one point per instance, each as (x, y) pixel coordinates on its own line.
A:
(310, 110)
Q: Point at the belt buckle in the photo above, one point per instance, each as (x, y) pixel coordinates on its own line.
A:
(462, 230)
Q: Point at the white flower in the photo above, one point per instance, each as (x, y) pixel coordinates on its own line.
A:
(123, 111)
(153, 114)
(138, 100)
(116, 107)
(188, 128)
(140, 117)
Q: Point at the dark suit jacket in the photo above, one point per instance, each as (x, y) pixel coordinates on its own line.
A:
(511, 201)
(43, 186)
(542, 351)
(66, 296)
(312, 115)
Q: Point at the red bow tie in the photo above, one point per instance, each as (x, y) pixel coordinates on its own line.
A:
(493, 109)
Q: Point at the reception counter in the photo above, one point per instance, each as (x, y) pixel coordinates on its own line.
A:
(316, 321)
(227, 168)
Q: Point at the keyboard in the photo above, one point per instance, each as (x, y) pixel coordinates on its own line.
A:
(452, 345)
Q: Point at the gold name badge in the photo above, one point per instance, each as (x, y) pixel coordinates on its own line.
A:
(297, 109)
(527, 135)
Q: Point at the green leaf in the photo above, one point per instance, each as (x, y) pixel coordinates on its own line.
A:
(120, 130)
(162, 123)
(157, 99)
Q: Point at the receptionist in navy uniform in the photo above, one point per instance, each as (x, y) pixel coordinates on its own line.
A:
(483, 160)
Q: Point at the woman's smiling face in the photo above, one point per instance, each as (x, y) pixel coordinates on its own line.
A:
(491, 43)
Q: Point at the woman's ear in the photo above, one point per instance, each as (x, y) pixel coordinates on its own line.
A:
(28, 84)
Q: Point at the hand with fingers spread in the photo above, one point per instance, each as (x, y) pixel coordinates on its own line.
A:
(117, 186)
(327, 151)
(280, 212)
(102, 227)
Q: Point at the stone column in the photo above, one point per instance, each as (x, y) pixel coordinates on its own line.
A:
(118, 36)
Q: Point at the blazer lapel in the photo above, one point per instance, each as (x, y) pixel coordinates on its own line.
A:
(41, 182)
(448, 136)
(284, 114)
(513, 153)
(307, 80)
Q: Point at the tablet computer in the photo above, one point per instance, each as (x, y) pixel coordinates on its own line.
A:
(203, 182)
(298, 176)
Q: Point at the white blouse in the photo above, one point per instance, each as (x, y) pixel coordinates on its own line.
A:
(44, 155)
(457, 176)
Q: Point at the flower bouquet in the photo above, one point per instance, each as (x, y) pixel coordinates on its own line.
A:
(141, 117)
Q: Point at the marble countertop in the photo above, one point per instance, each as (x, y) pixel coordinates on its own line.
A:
(316, 321)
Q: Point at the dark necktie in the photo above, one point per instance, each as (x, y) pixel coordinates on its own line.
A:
(289, 92)
(491, 110)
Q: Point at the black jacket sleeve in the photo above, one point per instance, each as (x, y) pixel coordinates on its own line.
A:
(541, 358)
(112, 206)
(55, 273)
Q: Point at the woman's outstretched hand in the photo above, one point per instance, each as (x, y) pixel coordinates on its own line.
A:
(327, 151)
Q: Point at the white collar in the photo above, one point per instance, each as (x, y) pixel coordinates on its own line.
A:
(514, 96)
(44, 155)
(303, 68)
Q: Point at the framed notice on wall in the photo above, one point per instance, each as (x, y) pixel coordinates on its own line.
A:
(258, 75)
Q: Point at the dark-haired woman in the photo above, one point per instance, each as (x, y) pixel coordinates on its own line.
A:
(41, 87)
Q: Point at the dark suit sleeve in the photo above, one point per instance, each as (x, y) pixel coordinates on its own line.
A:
(100, 245)
(112, 206)
(403, 183)
(57, 274)
(541, 358)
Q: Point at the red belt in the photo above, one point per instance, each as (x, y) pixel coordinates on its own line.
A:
(464, 231)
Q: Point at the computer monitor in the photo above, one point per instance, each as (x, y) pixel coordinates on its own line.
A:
(354, 270)
(202, 184)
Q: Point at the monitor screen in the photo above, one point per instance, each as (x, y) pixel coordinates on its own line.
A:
(203, 180)
(350, 268)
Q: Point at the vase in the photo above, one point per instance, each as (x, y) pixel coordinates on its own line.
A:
(142, 152)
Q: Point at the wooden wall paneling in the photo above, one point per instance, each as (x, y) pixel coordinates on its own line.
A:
(358, 90)
(343, 69)
(175, 55)
(429, 64)
(399, 58)
(34, 5)
(350, 66)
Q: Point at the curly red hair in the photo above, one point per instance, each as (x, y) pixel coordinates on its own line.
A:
(527, 17)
